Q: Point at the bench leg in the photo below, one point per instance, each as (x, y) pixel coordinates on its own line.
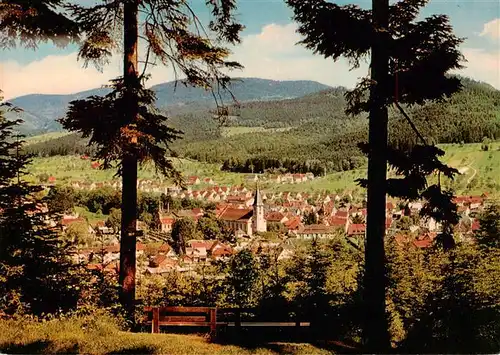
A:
(156, 321)
(213, 323)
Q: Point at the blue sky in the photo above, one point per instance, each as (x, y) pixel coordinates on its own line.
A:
(268, 50)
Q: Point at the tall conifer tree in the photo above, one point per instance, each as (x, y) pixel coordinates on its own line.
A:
(124, 125)
(409, 62)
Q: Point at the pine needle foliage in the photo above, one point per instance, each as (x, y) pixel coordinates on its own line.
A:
(173, 35)
(29, 22)
(422, 52)
(152, 136)
(37, 275)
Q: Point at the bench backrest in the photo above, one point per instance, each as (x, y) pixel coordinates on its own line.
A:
(181, 316)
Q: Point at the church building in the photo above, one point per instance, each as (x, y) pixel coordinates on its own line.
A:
(246, 221)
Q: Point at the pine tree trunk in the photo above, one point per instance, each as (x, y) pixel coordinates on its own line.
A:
(129, 168)
(376, 336)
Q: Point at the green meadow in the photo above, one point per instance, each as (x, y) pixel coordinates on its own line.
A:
(480, 172)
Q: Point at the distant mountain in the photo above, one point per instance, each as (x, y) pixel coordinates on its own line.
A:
(314, 129)
(41, 111)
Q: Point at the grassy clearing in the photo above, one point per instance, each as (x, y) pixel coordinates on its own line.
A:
(480, 172)
(480, 169)
(71, 168)
(232, 131)
(335, 182)
(101, 335)
(45, 137)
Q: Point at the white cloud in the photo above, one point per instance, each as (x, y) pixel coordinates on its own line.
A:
(274, 54)
(482, 65)
(53, 74)
(271, 54)
(492, 29)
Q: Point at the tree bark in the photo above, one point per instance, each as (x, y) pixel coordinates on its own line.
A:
(129, 166)
(376, 335)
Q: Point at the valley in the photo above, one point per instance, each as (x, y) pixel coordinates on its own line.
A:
(480, 172)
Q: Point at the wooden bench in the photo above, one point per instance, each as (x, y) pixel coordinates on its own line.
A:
(207, 317)
(182, 316)
(232, 317)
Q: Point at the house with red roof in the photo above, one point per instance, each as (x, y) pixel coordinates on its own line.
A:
(220, 251)
(245, 221)
(425, 240)
(194, 214)
(356, 230)
(293, 224)
(299, 177)
(193, 180)
(209, 181)
(388, 222)
(238, 219)
(213, 248)
(340, 223)
(342, 214)
(475, 202)
(475, 226)
(276, 217)
(317, 231)
(166, 224)
(167, 250)
(67, 220)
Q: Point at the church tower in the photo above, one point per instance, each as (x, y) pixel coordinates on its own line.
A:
(259, 222)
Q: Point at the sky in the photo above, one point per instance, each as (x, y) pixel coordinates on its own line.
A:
(268, 50)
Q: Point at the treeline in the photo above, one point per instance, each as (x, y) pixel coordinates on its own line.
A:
(467, 117)
(262, 165)
(193, 127)
(63, 199)
(71, 144)
(322, 132)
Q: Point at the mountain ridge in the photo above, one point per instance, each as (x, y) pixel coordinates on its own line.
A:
(40, 111)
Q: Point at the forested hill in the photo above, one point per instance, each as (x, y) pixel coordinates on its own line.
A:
(42, 111)
(313, 130)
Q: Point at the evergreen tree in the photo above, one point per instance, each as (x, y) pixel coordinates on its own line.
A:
(183, 230)
(36, 273)
(409, 62)
(243, 277)
(489, 227)
(134, 131)
(61, 199)
(310, 218)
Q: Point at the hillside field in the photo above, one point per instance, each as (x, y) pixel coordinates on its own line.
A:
(44, 137)
(480, 172)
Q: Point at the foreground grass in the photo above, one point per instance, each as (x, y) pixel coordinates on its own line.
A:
(101, 335)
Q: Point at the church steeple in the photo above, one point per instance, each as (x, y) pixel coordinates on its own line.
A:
(259, 222)
(258, 197)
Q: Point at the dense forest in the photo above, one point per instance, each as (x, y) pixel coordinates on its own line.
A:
(313, 132)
